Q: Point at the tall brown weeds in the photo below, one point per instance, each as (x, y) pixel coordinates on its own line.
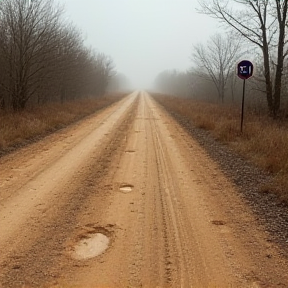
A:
(21, 127)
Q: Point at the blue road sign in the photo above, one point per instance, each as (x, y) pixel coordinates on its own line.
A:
(245, 69)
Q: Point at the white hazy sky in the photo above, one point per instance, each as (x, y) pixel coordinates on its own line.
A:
(144, 37)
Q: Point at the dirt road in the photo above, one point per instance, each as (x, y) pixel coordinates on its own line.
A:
(126, 198)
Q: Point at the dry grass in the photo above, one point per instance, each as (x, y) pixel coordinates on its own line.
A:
(264, 141)
(16, 129)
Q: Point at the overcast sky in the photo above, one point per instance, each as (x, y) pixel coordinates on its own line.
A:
(143, 37)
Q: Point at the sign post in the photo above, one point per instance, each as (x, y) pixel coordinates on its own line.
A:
(244, 71)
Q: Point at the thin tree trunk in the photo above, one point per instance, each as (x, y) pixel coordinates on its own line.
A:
(269, 93)
(279, 68)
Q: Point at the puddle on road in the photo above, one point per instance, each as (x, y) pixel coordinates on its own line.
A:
(126, 188)
(92, 246)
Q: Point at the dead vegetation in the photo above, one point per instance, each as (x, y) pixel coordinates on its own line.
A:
(17, 129)
(264, 141)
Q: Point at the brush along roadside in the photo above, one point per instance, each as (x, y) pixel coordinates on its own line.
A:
(21, 128)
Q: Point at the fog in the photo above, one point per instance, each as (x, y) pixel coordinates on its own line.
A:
(143, 37)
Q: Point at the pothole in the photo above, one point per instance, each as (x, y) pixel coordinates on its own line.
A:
(91, 244)
(126, 188)
(218, 222)
(130, 151)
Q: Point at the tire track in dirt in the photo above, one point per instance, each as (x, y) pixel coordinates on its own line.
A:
(173, 253)
(180, 259)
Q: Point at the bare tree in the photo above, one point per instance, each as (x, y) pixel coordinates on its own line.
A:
(119, 82)
(217, 60)
(43, 58)
(103, 72)
(29, 34)
(263, 23)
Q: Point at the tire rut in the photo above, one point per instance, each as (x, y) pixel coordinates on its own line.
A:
(178, 266)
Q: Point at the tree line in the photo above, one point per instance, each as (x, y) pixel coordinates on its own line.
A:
(255, 29)
(43, 57)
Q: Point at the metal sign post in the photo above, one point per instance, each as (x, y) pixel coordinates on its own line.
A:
(244, 71)
(242, 112)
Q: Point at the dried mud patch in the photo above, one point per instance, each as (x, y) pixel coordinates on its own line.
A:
(91, 241)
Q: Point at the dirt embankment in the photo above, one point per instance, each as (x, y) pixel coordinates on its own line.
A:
(128, 199)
